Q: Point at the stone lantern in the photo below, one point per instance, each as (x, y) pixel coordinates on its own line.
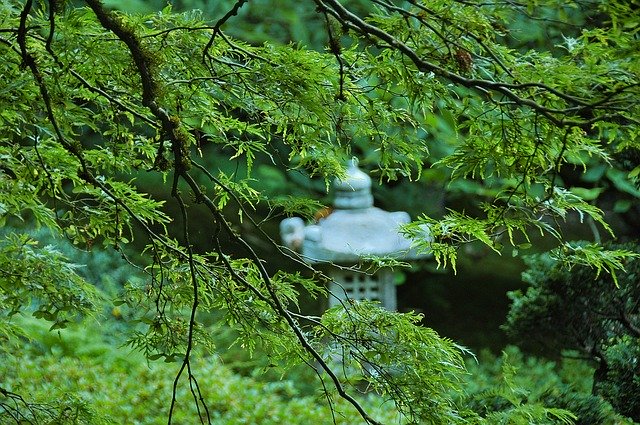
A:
(353, 231)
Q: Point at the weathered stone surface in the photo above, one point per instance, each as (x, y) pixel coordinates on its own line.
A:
(353, 231)
(346, 236)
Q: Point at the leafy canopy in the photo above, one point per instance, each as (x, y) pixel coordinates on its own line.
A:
(93, 102)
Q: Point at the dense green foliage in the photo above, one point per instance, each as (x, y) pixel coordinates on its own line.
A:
(142, 134)
(527, 380)
(620, 383)
(592, 314)
(98, 383)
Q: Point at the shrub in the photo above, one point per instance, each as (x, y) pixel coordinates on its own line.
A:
(621, 383)
(498, 387)
(116, 386)
(587, 311)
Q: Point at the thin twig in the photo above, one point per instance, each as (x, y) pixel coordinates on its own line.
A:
(216, 28)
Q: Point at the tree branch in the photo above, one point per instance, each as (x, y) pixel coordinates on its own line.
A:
(284, 313)
(558, 117)
(186, 362)
(216, 28)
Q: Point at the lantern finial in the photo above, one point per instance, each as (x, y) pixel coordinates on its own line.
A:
(354, 191)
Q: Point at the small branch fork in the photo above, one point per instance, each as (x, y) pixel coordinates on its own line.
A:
(11, 404)
(14, 407)
(193, 383)
(217, 27)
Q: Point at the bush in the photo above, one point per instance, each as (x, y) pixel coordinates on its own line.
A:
(621, 383)
(589, 409)
(590, 312)
(116, 386)
(501, 385)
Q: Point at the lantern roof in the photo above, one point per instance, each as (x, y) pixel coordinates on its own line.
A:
(355, 229)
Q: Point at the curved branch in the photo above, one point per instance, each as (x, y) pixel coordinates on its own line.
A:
(288, 253)
(171, 127)
(216, 28)
(186, 363)
(284, 313)
(145, 65)
(349, 19)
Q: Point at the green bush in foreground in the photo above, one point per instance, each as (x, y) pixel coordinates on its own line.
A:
(621, 384)
(96, 383)
(107, 385)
